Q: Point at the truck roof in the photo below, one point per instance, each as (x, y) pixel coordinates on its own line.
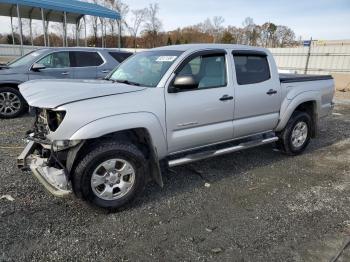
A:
(187, 47)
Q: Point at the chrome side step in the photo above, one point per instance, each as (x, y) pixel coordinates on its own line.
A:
(208, 154)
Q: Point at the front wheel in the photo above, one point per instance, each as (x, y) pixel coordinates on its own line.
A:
(111, 175)
(12, 104)
(296, 136)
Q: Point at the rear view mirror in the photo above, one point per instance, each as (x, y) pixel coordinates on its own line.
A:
(182, 83)
(38, 67)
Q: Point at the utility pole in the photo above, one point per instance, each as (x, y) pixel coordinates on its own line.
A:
(308, 57)
(20, 28)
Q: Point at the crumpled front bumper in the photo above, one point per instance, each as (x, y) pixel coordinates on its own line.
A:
(53, 179)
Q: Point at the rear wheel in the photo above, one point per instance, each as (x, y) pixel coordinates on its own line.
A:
(12, 104)
(111, 175)
(296, 136)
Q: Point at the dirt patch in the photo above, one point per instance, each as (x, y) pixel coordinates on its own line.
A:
(342, 82)
(342, 95)
(5, 59)
(342, 85)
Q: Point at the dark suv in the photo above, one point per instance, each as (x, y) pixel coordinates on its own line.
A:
(57, 63)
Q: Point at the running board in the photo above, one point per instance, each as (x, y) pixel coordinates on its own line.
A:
(208, 154)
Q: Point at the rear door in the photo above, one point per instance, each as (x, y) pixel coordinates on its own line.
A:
(113, 58)
(85, 64)
(120, 56)
(258, 94)
(58, 65)
(202, 115)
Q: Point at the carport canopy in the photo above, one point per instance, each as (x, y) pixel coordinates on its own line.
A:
(53, 9)
(63, 11)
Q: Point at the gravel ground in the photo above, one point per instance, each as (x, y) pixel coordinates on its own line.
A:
(6, 59)
(260, 206)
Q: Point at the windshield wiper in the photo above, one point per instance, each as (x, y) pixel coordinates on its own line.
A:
(127, 82)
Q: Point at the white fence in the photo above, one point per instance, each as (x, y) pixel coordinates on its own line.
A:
(15, 50)
(316, 60)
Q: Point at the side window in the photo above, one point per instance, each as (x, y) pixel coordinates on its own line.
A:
(56, 60)
(209, 71)
(120, 56)
(251, 69)
(195, 65)
(85, 59)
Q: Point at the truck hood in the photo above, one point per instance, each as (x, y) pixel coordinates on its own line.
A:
(54, 93)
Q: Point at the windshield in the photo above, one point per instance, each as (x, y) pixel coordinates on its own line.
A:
(146, 68)
(24, 59)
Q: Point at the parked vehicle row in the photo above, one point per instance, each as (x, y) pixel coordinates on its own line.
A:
(105, 139)
(49, 63)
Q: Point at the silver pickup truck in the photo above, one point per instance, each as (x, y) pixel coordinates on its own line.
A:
(105, 139)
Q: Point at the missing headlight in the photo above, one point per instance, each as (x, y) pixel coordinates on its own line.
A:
(54, 119)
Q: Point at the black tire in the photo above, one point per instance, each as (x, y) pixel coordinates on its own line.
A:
(285, 143)
(99, 153)
(22, 104)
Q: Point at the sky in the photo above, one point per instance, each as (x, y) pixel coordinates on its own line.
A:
(319, 19)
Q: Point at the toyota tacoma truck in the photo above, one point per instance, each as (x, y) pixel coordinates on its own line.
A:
(169, 106)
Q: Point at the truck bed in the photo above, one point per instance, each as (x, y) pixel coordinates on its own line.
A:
(291, 78)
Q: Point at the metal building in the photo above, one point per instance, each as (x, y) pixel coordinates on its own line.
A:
(63, 11)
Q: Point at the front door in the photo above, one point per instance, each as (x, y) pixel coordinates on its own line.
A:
(57, 65)
(202, 115)
(257, 94)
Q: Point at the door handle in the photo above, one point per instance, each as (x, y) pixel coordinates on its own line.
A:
(105, 71)
(65, 73)
(271, 92)
(226, 98)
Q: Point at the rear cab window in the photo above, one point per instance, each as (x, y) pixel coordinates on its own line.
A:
(85, 59)
(251, 67)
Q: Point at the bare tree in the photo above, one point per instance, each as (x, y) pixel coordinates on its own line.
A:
(268, 34)
(212, 30)
(251, 32)
(123, 10)
(95, 21)
(94, 27)
(206, 26)
(218, 28)
(285, 36)
(153, 24)
(75, 32)
(213, 27)
(136, 20)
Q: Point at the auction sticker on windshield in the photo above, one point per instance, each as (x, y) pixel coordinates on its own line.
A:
(166, 58)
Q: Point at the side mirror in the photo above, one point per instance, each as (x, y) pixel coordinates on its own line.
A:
(37, 67)
(182, 83)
